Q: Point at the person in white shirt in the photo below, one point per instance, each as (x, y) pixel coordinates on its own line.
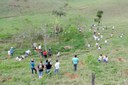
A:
(58, 54)
(105, 59)
(39, 47)
(9, 53)
(18, 58)
(97, 44)
(101, 36)
(57, 67)
(89, 45)
(105, 41)
(27, 53)
(100, 58)
(34, 46)
(99, 47)
(111, 34)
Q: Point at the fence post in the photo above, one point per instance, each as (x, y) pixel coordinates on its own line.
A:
(93, 79)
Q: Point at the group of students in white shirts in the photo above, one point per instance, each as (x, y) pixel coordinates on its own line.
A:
(21, 57)
(103, 58)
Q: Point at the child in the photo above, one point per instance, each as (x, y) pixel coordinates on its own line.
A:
(100, 58)
(105, 59)
(99, 47)
(27, 53)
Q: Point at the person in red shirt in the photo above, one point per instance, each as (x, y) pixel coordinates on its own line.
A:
(45, 53)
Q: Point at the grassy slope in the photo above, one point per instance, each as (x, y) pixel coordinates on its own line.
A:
(114, 73)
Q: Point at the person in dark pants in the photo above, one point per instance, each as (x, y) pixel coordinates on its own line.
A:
(75, 62)
(48, 67)
(33, 66)
(40, 69)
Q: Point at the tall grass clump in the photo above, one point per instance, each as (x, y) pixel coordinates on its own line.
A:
(73, 37)
(93, 64)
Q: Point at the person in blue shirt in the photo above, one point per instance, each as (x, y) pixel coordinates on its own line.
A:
(75, 61)
(33, 66)
(11, 51)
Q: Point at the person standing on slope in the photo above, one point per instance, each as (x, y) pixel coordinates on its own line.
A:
(57, 66)
(75, 62)
(40, 69)
(33, 66)
(11, 51)
(45, 53)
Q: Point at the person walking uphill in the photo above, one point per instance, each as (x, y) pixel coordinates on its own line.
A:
(33, 66)
(75, 62)
(40, 69)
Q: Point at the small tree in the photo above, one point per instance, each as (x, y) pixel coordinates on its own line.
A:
(98, 16)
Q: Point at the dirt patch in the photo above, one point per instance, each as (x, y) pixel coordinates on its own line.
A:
(5, 79)
(71, 76)
(68, 47)
(120, 60)
(125, 72)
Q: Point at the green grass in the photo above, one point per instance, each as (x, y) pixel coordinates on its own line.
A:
(35, 14)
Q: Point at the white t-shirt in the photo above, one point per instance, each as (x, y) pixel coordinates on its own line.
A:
(28, 51)
(97, 44)
(89, 45)
(57, 65)
(58, 54)
(39, 47)
(106, 58)
(9, 52)
(105, 41)
(100, 58)
(34, 44)
(99, 48)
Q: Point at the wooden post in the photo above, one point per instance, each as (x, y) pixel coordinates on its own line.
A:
(93, 79)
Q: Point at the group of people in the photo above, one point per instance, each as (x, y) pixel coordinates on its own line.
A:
(21, 57)
(47, 66)
(97, 37)
(43, 53)
(44, 67)
(103, 58)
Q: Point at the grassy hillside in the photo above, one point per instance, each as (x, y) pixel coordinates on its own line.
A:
(19, 18)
